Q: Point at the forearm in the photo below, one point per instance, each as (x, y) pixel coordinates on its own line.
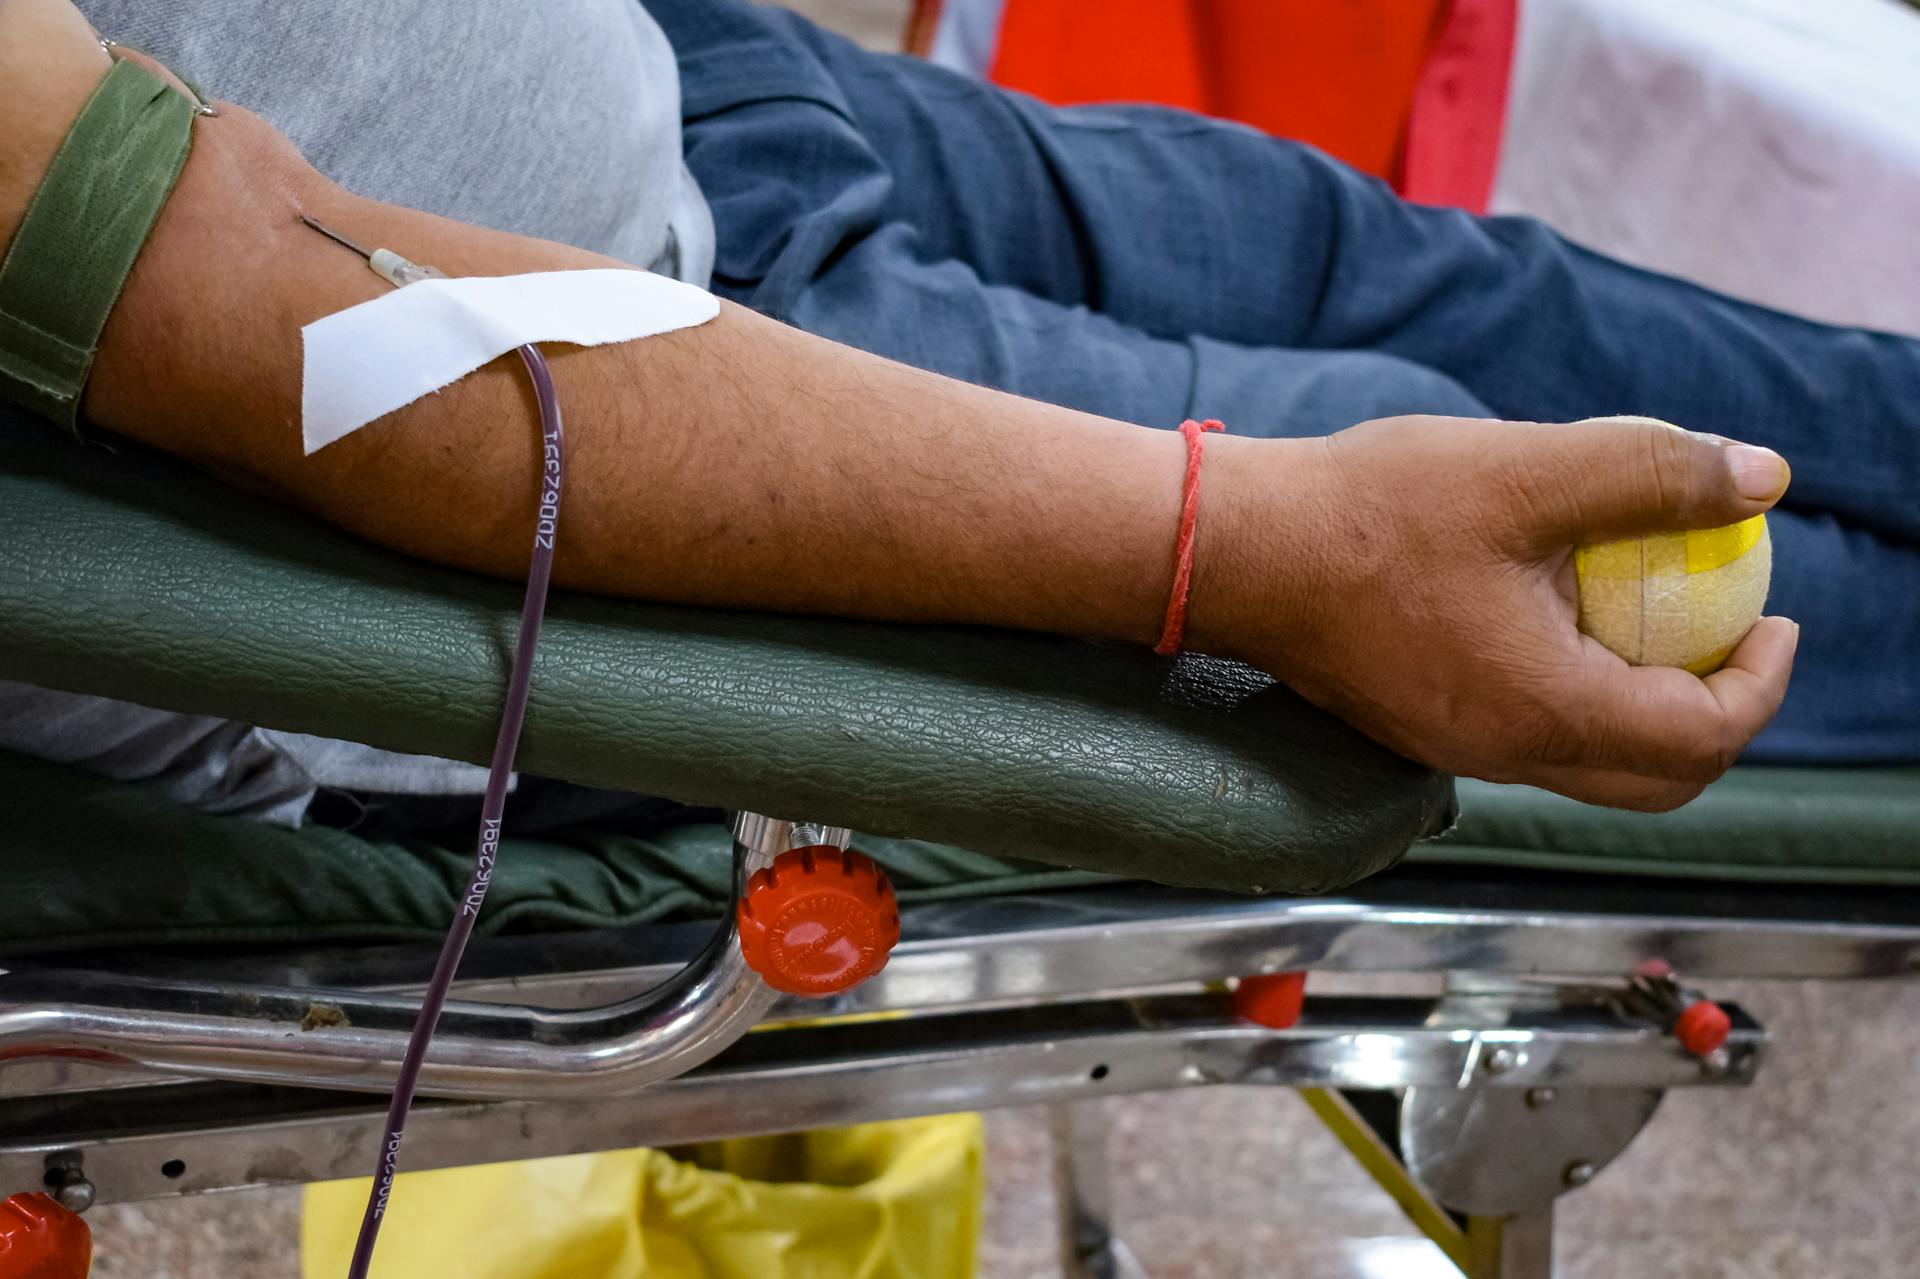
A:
(741, 463)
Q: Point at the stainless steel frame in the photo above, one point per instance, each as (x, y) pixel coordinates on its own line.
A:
(612, 1008)
(141, 1142)
(1052, 998)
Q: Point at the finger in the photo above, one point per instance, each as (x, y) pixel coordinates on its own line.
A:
(1753, 682)
(1613, 789)
(1662, 722)
(1614, 477)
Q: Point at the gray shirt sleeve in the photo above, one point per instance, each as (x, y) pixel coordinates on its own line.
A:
(214, 765)
(559, 120)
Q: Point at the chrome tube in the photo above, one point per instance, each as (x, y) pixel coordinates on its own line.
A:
(354, 1040)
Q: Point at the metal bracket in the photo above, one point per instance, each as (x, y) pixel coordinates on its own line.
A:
(1488, 1149)
(1503, 1152)
(1480, 1161)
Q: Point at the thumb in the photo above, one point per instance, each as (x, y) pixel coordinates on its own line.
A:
(1618, 476)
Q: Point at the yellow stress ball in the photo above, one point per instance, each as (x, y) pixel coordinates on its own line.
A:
(1676, 599)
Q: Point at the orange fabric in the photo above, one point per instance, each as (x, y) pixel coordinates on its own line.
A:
(1339, 74)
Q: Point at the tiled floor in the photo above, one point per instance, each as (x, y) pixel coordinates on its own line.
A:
(1814, 1173)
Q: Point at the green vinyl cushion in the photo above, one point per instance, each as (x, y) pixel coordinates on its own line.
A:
(128, 575)
(97, 864)
(1777, 825)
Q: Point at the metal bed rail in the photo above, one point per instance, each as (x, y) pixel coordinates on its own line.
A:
(139, 1143)
(1522, 1080)
(619, 1011)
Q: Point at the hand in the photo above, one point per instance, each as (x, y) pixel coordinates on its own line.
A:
(1414, 575)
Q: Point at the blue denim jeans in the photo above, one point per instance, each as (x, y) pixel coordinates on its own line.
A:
(1153, 265)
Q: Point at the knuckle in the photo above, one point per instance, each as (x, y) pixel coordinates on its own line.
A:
(1676, 468)
(1533, 487)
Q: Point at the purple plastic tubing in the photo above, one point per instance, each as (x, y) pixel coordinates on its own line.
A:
(532, 613)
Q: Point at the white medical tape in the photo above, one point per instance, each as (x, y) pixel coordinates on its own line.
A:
(368, 360)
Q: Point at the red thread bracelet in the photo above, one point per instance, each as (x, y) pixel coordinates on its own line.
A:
(1194, 433)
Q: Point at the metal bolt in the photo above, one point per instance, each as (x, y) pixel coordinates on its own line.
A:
(1539, 1097)
(1501, 1060)
(1578, 1174)
(1717, 1063)
(71, 1189)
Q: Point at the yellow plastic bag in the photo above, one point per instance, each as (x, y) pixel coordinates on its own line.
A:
(879, 1201)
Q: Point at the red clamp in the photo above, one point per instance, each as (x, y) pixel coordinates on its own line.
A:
(1273, 1000)
(41, 1240)
(1702, 1027)
(1696, 1022)
(818, 921)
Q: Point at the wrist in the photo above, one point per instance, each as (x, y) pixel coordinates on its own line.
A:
(1256, 565)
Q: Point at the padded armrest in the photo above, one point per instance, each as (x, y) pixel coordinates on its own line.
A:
(128, 575)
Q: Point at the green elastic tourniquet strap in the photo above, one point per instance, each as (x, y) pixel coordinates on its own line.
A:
(81, 234)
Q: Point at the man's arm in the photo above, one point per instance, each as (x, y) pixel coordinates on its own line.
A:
(739, 463)
(1412, 578)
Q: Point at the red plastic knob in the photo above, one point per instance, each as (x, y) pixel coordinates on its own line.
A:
(1273, 1001)
(41, 1240)
(818, 921)
(1702, 1028)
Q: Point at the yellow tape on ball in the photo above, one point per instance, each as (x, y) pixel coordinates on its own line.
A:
(1676, 599)
(1682, 599)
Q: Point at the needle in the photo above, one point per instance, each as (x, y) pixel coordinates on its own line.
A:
(337, 238)
(386, 264)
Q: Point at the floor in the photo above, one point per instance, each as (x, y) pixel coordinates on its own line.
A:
(1813, 1173)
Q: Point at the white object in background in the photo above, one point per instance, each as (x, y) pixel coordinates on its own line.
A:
(966, 36)
(368, 360)
(1769, 149)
